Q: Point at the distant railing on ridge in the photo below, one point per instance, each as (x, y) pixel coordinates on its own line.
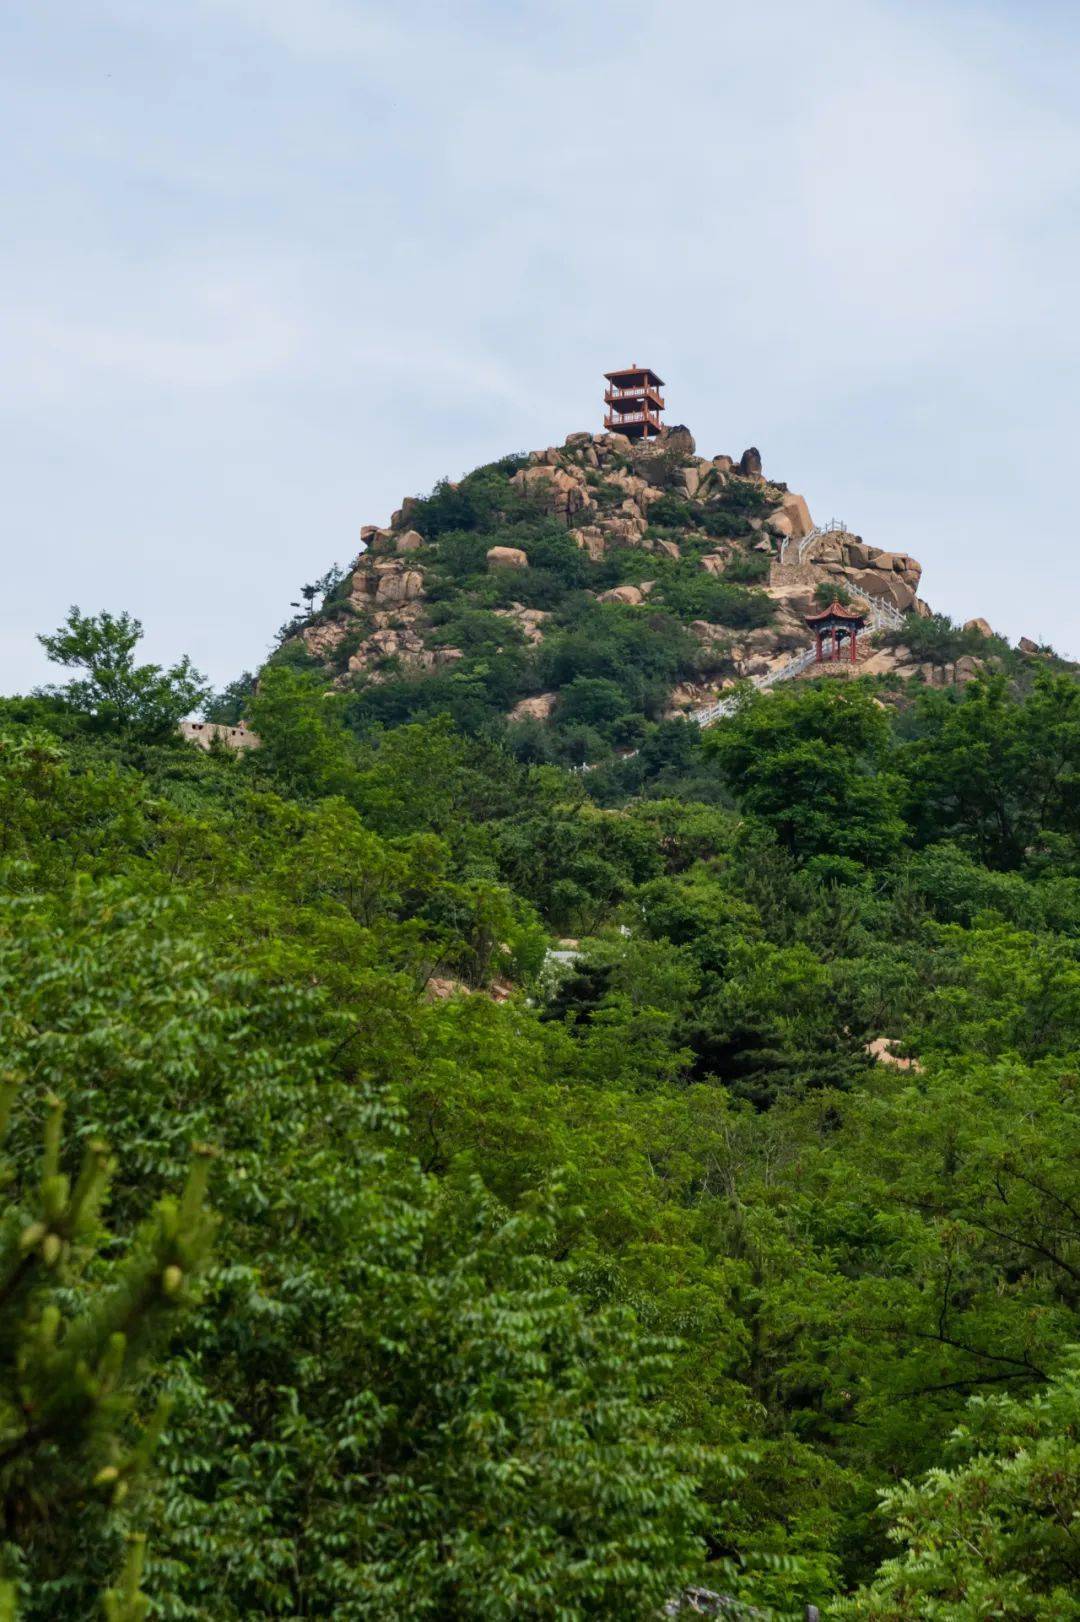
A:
(835, 526)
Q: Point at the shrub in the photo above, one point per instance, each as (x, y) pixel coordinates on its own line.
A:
(462, 553)
(939, 640)
(695, 595)
(549, 547)
(474, 630)
(592, 700)
(476, 502)
(827, 592)
(675, 512)
(748, 568)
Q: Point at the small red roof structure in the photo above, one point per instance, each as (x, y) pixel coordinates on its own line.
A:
(836, 622)
(835, 610)
(634, 402)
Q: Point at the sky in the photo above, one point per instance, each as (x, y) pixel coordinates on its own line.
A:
(270, 265)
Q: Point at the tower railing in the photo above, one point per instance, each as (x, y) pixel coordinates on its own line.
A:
(638, 392)
(614, 418)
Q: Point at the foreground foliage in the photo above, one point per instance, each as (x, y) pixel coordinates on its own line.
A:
(647, 1273)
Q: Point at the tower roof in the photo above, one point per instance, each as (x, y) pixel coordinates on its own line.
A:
(636, 371)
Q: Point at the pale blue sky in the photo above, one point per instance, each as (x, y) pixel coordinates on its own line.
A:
(269, 265)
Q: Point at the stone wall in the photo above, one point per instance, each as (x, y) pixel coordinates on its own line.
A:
(206, 733)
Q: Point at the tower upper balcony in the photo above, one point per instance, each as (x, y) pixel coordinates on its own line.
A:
(634, 401)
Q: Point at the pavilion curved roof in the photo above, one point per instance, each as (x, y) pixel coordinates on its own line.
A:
(835, 611)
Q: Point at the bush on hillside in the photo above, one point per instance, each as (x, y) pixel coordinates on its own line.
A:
(693, 594)
(749, 569)
(475, 502)
(939, 640)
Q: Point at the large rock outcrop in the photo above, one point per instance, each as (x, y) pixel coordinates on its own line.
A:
(604, 489)
(507, 557)
(561, 491)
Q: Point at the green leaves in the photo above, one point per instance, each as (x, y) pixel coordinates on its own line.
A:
(994, 1534)
(999, 776)
(623, 1265)
(116, 693)
(809, 765)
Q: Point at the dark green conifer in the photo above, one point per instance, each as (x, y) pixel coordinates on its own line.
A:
(75, 1330)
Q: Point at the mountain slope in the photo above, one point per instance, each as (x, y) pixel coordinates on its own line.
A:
(579, 596)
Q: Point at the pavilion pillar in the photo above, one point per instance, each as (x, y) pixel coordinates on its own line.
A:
(854, 641)
(820, 653)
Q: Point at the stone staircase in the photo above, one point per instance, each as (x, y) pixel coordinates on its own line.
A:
(881, 616)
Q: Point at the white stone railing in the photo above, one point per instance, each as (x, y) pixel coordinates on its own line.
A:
(883, 616)
(835, 526)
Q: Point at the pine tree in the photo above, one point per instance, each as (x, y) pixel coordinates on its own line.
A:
(77, 1330)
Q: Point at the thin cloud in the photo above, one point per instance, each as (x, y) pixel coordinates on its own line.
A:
(315, 253)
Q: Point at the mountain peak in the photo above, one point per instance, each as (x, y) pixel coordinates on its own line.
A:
(634, 562)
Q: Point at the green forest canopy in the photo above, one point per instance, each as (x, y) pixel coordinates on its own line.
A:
(646, 1275)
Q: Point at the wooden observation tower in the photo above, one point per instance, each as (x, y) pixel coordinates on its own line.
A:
(634, 402)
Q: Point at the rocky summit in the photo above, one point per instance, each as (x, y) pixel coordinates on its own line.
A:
(604, 586)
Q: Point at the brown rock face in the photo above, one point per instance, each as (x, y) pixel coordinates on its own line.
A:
(750, 463)
(538, 708)
(621, 444)
(677, 438)
(591, 540)
(621, 594)
(321, 640)
(400, 643)
(626, 528)
(377, 540)
(439, 989)
(1026, 645)
(983, 627)
(881, 1049)
(562, 490)
(506, 557)
(794, 507)
(387, 580)
(399, 586)
(529, 621)
(411, 541)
